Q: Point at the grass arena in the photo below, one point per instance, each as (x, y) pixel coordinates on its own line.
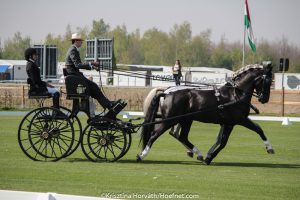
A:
(243, 170)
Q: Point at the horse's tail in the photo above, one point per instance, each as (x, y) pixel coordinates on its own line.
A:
(150, 96)
(150, 114)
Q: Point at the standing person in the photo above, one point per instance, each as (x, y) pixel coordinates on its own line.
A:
(176, 71)
(38, 86)
(73, 64)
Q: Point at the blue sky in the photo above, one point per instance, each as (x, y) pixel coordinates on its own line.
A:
(271, 19)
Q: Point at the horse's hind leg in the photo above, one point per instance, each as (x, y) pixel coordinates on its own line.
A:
(248, 123)
(183, 138)
(155, 134)
(221, 142)
(175, 132)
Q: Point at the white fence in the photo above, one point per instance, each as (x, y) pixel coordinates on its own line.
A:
(18, 195)
(291, 81)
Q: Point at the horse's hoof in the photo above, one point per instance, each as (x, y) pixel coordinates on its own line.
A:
(190, 154)
(138, 158)
(207, 161)
(200, 158)
(270, 151)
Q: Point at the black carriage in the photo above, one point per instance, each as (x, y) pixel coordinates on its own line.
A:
(50, 134)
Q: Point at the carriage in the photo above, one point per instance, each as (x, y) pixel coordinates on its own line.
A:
(50, 134)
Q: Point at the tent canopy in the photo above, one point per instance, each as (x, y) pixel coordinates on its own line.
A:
(3, 68)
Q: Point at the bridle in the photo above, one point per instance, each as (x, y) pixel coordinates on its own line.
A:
(263, 82)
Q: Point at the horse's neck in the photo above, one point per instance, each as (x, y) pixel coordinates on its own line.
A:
(246, 85)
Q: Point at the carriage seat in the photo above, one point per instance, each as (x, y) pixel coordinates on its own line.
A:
(76, 87)
(35, 92)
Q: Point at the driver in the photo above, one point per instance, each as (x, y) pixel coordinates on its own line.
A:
(73, 64)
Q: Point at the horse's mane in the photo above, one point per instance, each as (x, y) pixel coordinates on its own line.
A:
(241, 71)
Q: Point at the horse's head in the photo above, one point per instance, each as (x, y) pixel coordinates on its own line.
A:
(263, 83)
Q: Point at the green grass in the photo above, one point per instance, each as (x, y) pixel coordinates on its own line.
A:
(243, 170)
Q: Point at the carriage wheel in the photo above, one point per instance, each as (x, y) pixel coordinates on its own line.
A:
(46, 135)
(128, 139)
(104, 140)
(23, 136)
(51, 134)
(77, 129)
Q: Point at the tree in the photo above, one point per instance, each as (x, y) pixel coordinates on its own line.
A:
(0, 49)
(198, 51)
(14, 48)
(99, 29)
(282, 49)
(180, 35)
(135, 51)
(83, 31)
(265, 52)
(221, 56)
(236, 56)
(155, 47)
(120, 44)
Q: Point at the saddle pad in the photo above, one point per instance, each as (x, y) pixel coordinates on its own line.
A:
(177, 88)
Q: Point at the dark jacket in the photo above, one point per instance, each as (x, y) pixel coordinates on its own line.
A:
(73, 62)
(33, 72)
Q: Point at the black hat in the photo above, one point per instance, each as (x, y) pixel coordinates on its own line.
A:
(29, 52)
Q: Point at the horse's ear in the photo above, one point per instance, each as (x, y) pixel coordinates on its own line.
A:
(267, 65)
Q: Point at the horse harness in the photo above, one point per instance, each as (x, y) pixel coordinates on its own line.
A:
(237, 98)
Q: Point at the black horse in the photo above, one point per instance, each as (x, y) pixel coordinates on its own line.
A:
(227, 105)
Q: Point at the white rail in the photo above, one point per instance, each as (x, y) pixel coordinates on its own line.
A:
(19, 195)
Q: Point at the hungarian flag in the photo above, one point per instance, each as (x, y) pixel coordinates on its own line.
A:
(249, 27)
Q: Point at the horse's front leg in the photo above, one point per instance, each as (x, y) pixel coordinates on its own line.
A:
(248, 123)
(221, 142)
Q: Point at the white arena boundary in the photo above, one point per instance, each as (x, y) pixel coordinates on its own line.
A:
(253, 117)
(19, 195)
(129, 114)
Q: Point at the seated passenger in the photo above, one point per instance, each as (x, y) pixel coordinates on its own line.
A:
(38, 86)
(73, 64)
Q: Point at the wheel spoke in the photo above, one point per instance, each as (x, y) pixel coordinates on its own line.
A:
(111, 150)
(116, 145)
(59, 146)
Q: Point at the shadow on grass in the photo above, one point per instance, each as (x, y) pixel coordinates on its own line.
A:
(173, 162)
(71, 160)
(260, 165)
(132, 161)
(163, 162)
(224, 164)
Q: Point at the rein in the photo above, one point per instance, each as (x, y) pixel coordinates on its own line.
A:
(152, 77)
(174, 118)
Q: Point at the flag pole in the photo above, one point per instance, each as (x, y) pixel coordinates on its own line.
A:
(243, 64)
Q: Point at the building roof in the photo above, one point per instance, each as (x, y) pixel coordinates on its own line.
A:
(12, 62)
